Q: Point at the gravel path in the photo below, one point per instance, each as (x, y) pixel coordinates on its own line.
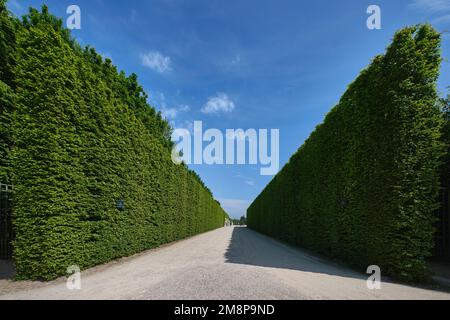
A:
(228, 263)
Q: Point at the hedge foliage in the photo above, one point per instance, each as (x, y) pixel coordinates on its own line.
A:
(363, 187)
(446, 139)
(443, 245)
(83, 139)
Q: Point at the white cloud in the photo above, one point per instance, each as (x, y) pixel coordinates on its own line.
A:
(250, 182)
(236, 59)
(156, 61)
(219, 103)
(431, 6)
(235, 207)
(172, 113)
(168, 112)
(185, 108)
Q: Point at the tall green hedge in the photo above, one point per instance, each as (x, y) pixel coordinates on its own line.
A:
(446, 138)
(84, 140)
(443, 246)
(7, 96)
(363, 187)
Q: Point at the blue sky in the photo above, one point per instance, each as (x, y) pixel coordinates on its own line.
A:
(262, 64)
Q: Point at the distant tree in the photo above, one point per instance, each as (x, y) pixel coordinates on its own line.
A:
(242, 221)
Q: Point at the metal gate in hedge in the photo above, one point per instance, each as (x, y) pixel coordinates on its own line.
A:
(6, 230)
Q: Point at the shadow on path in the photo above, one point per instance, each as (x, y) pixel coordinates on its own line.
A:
(252, 248)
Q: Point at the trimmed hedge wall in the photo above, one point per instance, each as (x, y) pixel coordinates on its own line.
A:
(446, 138)
(442, 249)
(84, 138)
(363, 187)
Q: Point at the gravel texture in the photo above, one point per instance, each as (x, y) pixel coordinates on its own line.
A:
(228, 263)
